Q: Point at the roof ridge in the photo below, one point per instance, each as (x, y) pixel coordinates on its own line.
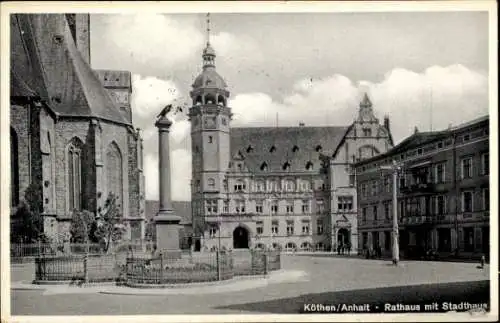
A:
(82, 68)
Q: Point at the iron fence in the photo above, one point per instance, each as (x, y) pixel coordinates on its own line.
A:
(86, 268)
(200, 267)
(171, 269)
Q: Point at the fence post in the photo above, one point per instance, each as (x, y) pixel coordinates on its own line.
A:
(265, 263)
(85, 269)
(218, 265)
(161, 267)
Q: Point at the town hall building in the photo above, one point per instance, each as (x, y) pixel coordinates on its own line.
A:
(290, 188)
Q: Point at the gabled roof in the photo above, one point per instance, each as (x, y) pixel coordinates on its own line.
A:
(65, 81)
(181, 208)
(419, 138)
(284, 139)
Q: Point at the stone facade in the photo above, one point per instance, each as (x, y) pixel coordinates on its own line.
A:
(274, 186)
(443, 193)
(67, 131)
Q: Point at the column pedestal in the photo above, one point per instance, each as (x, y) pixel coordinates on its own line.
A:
(167, 232)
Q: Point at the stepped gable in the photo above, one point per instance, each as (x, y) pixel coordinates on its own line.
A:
(295, 145)
(67, 83)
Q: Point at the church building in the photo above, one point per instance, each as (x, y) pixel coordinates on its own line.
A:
(283, 187)
(71, 127)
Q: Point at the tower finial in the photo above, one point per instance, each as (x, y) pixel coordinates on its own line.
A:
(208, 29)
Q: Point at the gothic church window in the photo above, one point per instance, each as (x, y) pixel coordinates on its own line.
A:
(272, 149)
(263, 166)
(74, 174)
(286, 166)
(295, 149)
(309, 165)
(114, 172)
(319, 148)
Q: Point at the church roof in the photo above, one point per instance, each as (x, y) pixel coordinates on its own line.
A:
(114, 78)
(278, 147)
(18, 88)
(209, 79)
(66, 81)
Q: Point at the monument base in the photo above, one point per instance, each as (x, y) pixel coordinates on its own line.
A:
(167, 233)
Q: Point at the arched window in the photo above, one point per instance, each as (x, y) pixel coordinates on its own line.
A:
(198, 100)
(209, 99)
(114, 172)
(14, 168)
(290, 246)
(221, 100)
(263, 166)
(211, 182)
(305, 245)
(74, 173)
(368, 151)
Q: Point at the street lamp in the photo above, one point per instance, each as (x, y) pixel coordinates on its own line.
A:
(394, 168)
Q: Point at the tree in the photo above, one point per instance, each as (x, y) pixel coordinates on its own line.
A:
(110, 227)
(27, 224)
(83, 226)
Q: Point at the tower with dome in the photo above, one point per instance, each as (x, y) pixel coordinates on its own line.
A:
(274, 187)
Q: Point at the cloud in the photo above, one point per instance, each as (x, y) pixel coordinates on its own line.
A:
(151, 94)
(151, 176)
(152, 38)
(180, 167)
(458, 94)
(455, 93)
(235, 50)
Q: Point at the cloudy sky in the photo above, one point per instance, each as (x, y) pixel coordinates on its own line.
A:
(312, 68)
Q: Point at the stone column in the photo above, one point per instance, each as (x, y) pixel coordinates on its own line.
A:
(166, 222)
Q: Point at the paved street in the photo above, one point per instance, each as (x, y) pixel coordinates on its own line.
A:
(323, 280)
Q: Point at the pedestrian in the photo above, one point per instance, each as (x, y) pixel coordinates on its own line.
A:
(483, 261)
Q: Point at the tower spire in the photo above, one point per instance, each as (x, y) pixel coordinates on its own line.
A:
(208, 52)
(208, 29)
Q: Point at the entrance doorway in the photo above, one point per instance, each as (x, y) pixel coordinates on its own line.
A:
(240, 238)
(343, 237)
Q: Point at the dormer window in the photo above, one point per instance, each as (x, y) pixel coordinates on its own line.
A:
(249, 148)
(286, 166)
(309, 165)
(263, 166)
(367, 132)
(319, 148)
(295, 149)
(273, 149)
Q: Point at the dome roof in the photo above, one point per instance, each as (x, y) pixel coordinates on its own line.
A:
(209, 79)
(209, 50)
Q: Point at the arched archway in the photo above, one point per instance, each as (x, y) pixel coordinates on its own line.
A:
(240, 238)
(343, 237)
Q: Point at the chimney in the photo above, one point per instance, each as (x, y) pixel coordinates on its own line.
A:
(387, 123)
(416, 130)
